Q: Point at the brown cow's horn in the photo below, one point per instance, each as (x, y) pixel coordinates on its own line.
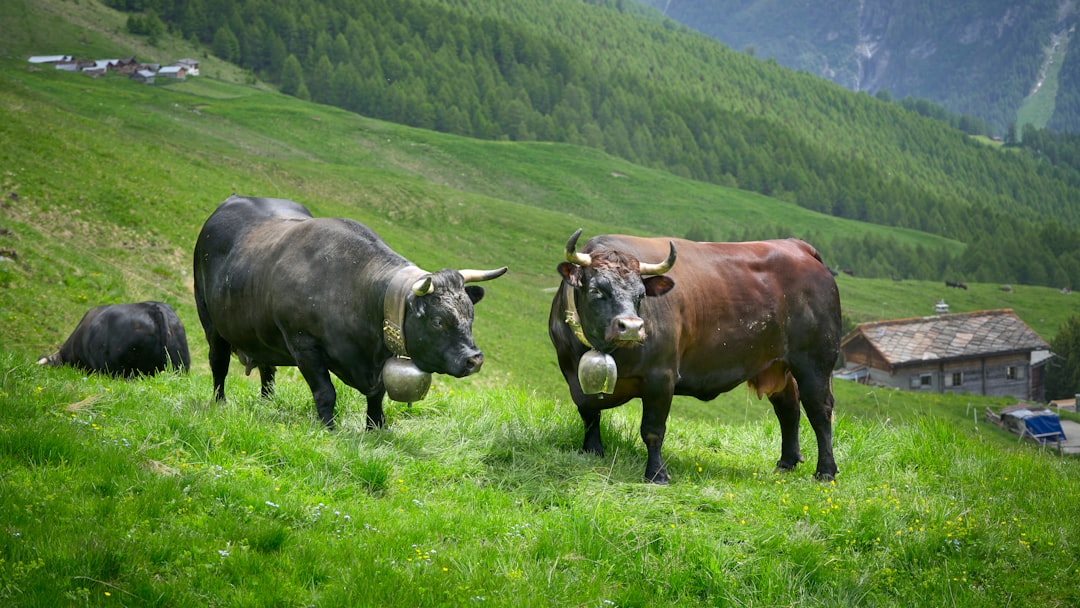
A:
(662, 267)
(572, 254)
(476, 276)
(422, 286)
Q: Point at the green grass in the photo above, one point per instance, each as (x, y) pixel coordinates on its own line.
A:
(149, 493)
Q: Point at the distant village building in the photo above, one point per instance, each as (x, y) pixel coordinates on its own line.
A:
(144, 76)
(142, 72)
(176, 72)
(41, 59)
(191, 65)
(990, 352)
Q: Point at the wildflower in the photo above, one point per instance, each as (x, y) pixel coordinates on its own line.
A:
(270, 504)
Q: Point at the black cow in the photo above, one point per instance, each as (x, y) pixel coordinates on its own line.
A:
(279, 287)
(126, 340)
(766, 313)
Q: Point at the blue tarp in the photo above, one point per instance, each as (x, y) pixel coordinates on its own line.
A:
(1044, 425)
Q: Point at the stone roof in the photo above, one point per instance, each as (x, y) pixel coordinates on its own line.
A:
(953, 336)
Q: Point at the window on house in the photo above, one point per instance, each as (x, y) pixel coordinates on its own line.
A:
(957, 378)
(922, 380)
(1014, 373)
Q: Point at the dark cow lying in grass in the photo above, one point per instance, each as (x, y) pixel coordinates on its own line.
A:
(126, 340)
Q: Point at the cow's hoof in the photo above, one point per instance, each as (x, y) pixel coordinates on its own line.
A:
(785, 467)
(595, 450)
(660, 478)
(826, 477)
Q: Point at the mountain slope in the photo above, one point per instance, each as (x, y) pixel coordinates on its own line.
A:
(976, 58)
(649, 91)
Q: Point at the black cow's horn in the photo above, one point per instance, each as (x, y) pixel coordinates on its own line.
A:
(422, 286)
(662, 267)
(572, 254)
(476, 276)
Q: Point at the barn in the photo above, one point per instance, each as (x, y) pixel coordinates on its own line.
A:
(989, 352)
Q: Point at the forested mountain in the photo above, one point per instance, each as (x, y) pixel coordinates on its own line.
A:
(974, 57)
(617, 76)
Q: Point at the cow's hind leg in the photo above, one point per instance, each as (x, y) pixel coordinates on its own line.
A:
(266, 380)
(785, 404)
(220, 352)
(817, 400)
(309, 358)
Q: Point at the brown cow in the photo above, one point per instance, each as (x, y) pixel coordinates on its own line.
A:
(766, 313)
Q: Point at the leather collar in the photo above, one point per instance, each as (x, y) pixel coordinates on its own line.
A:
(397, 293)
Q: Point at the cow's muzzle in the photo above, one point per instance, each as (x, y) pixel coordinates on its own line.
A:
(473, 364)
(626, 331)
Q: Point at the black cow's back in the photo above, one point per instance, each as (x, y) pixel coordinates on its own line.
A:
(127, 340)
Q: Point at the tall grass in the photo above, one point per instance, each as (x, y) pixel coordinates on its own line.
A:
(148, 493)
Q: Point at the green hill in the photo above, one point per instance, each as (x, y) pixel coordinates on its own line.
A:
(611, 76)
(149, 493)
(108, 182)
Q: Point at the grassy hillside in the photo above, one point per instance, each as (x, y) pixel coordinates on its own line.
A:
(109, 181)
(149, 493)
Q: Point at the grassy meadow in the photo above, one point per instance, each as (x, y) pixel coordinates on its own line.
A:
(147, 493)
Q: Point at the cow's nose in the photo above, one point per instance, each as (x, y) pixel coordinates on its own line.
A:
(629, 329)
(473, 363)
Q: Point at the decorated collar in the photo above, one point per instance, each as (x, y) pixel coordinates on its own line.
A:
(397, 293)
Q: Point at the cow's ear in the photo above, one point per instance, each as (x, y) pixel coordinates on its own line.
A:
(475, 293)
(571, 273)
(658, 285)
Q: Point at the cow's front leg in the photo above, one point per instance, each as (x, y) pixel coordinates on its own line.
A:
(655, 407)
(376, 419)
(591, 417)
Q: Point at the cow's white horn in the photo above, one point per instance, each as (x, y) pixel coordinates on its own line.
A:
(573, 255)
(476, 276)
(422, 286)
(662, 267)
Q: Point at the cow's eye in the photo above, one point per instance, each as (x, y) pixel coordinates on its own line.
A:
(595, 293)
(437, 322)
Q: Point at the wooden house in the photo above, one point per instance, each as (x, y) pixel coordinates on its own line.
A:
(174, 72)
(990, 352)
(191, 65)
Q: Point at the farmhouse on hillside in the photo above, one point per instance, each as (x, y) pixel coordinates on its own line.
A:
(989, 352)
(141, 72)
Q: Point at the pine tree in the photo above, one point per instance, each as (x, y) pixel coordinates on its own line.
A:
(1063, 372)
(292, 76)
